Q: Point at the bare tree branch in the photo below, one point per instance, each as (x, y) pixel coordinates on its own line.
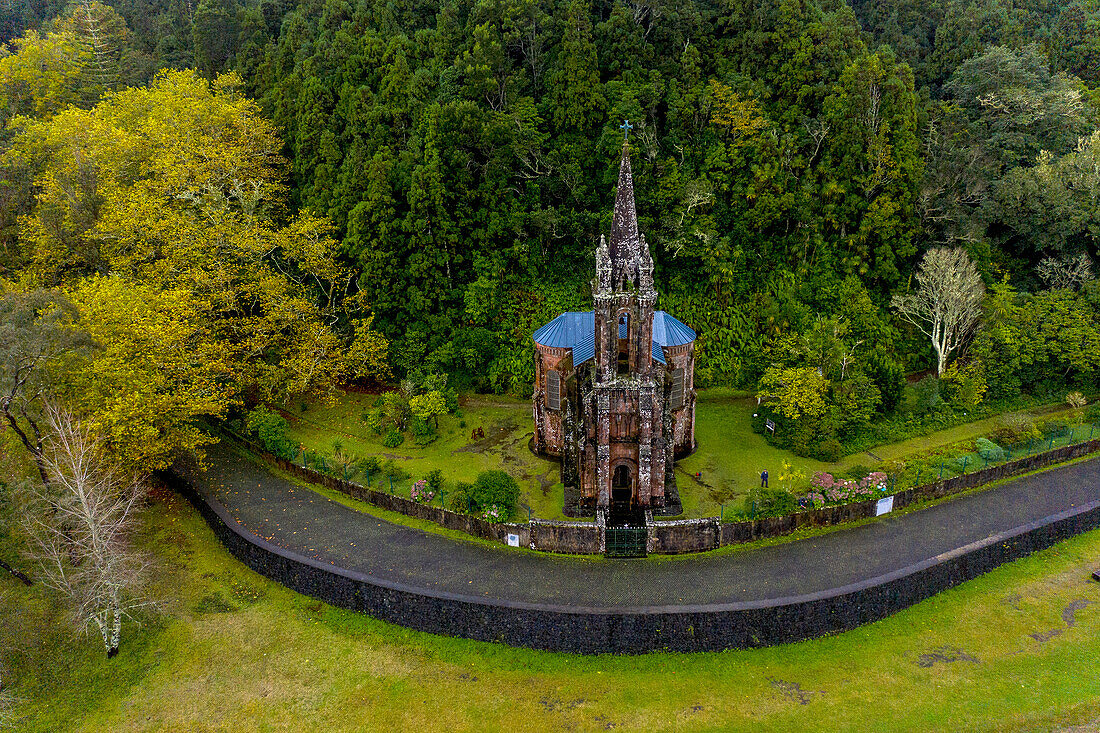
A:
(80, 527)
(947, 302)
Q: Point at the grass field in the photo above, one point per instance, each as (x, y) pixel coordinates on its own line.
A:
(1014, 650)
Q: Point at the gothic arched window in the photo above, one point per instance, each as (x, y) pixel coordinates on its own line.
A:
(623, 359)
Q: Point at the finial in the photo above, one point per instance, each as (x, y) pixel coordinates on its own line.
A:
(626, 127)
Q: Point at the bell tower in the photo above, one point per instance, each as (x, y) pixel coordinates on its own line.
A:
(630, 470)
(623, 293)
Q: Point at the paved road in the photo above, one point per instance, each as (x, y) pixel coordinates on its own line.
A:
(308, 523)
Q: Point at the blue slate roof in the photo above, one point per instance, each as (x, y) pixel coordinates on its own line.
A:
(573, 330)
(667, 331)
(577, 331)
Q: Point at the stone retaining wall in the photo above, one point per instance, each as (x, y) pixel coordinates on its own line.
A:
(589, 630)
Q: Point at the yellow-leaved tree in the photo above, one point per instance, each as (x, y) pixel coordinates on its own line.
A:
(178, 186)
(152, 370)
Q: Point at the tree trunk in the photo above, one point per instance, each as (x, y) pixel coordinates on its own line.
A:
(116, 631)
(16, 573)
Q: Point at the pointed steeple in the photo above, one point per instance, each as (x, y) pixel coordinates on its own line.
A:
(624, 222)
(631, 264)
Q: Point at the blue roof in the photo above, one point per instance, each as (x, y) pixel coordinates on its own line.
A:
(571, 330)
(577, 331)
(668, 331)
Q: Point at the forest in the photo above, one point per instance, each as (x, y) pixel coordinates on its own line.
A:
(211, 205)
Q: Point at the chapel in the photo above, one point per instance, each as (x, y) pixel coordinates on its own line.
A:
(614, 395)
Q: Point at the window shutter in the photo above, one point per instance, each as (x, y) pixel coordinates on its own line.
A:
(677, 389)
(553, 390)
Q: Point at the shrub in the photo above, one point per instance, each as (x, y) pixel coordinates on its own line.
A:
(371, 464)
(498, 489)
(395, 410)
(435, 480)
(462, 498)
(421, 428)
(1014, 429)
(829, 450)
(1076, 400)
(270, 428)
(989, 450)
(393, 438)
(1053, 428)
(961, 464)
(375, 420)
(1092, 414)
(763, 503)
(393, 471)
(964, 386)
(420, 492)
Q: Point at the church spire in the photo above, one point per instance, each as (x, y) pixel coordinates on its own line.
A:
(624, 222)
(630, 261)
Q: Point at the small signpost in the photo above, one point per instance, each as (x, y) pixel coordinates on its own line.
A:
(513, 540)
(769, 425)
(885, 505)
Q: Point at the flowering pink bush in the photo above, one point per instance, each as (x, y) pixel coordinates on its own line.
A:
(830, 490)
(495, 513)
(419, 492)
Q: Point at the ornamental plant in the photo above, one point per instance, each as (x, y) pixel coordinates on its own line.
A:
(827, 489)
(420, 492)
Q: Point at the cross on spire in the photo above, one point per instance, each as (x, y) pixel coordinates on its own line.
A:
(626, 127)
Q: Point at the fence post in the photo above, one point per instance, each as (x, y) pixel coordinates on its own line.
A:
(966, 459)
(721, 511)
(940, 478)
(391, 484)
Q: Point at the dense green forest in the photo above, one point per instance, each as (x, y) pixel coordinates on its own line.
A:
(416, 186)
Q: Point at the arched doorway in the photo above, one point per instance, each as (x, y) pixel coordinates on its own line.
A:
(622, 489)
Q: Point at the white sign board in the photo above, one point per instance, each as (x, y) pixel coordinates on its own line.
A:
(884, 506)
(513, 540)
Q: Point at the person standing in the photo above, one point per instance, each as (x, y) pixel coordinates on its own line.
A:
(764, 479)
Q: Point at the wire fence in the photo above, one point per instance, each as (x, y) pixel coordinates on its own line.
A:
(949, 464)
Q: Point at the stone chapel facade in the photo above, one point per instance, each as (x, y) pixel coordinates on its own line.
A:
(614, 392)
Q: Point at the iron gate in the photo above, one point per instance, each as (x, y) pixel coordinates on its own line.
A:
(626, 542)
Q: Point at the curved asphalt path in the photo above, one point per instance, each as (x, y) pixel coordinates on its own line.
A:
(304, 522)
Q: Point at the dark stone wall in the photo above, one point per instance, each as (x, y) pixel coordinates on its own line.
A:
(686, 535)
(573, 538)
(591, 631)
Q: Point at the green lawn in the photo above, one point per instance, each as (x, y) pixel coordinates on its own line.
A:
(505, 421)
(234, 652)
(729, 458)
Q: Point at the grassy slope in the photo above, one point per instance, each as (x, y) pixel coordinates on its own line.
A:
(239, 653)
